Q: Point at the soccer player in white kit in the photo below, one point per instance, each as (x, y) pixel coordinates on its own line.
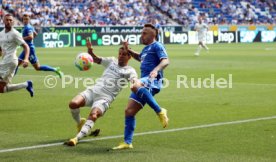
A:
(9, 40)
(201, 29)
(117, 74)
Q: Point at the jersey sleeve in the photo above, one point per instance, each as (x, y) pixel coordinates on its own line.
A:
(107, 60)
(132, 74)
(161, 52)
(18, 38)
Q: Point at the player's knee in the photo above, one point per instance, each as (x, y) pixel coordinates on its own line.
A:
(37, 68)
(94, 116)
(74, 105)
(135, 87)
(129, 112)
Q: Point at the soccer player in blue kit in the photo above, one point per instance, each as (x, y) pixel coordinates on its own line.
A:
(28, 35)
(153, 60)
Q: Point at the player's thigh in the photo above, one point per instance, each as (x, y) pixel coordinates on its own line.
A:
(77, 102)
(100, 106)
(7, 71)
(36, 66)
(134, 87)
(21, 57)
(132, 108)
(95, 113)
(33, 58)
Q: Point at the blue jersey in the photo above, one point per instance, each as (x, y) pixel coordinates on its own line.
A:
(150, 57)
(28, 30)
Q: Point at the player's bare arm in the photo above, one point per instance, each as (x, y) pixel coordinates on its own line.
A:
(29, 37)
(34, 34)
(133, 54)
(162, 65)
(96, 59)
(27, 53)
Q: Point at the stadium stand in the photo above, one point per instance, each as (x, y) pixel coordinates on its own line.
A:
(219, 11)
(86, 12)
(139, 12)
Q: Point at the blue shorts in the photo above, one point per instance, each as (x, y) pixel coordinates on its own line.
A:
(152, 86)
(32, 58)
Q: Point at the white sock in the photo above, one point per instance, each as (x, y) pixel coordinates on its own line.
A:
(14, 87)
(198, 49)
(85, 129)
(76, 115)
(205, 46)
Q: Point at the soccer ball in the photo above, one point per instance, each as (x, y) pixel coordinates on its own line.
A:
(83, 61)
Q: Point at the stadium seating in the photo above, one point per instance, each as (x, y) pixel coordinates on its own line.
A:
(139, 12)
(219, 11)
(85, 12)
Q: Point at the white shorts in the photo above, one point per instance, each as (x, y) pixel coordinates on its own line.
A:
(95, 100)
(7, 71)
(201, 38)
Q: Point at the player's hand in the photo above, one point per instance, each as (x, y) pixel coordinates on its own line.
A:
(125, 45)
(88, 43)
(25, 63)
(153, 74)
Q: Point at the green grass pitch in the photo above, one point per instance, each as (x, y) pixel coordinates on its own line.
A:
(46, 119)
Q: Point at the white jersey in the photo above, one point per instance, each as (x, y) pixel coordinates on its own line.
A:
(201, 29)
(114, 78)
(9, 42)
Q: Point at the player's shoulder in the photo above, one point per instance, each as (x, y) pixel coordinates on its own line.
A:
(14, 31)
(28, 26)
(158, 45)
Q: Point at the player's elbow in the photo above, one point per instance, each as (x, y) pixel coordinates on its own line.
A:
(165, 62)
(26, 47)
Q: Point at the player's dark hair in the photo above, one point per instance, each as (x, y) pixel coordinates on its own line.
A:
(122, 48)
(26, 15)
(8, 15)
(154, 28)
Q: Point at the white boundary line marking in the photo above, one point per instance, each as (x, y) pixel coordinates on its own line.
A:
(144, 133)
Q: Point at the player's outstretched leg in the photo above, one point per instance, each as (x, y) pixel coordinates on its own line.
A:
(144, 94)
(14, 87)
(198, 50)
(93, 116)
(39, 67)
(75, 104)
(130, 123)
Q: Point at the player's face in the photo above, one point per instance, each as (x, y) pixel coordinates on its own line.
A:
(200, 21)
(26, 20)
(8, 21)
(147, 36)
(123, 57)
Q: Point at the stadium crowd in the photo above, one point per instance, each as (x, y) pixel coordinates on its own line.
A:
(139, 12)
(85, 12)
(219, 11)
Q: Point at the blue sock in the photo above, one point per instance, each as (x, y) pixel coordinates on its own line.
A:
(129, 128)
(147, 96)
(46, 68)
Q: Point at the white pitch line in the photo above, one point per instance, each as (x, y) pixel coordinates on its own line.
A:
(144, 133)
